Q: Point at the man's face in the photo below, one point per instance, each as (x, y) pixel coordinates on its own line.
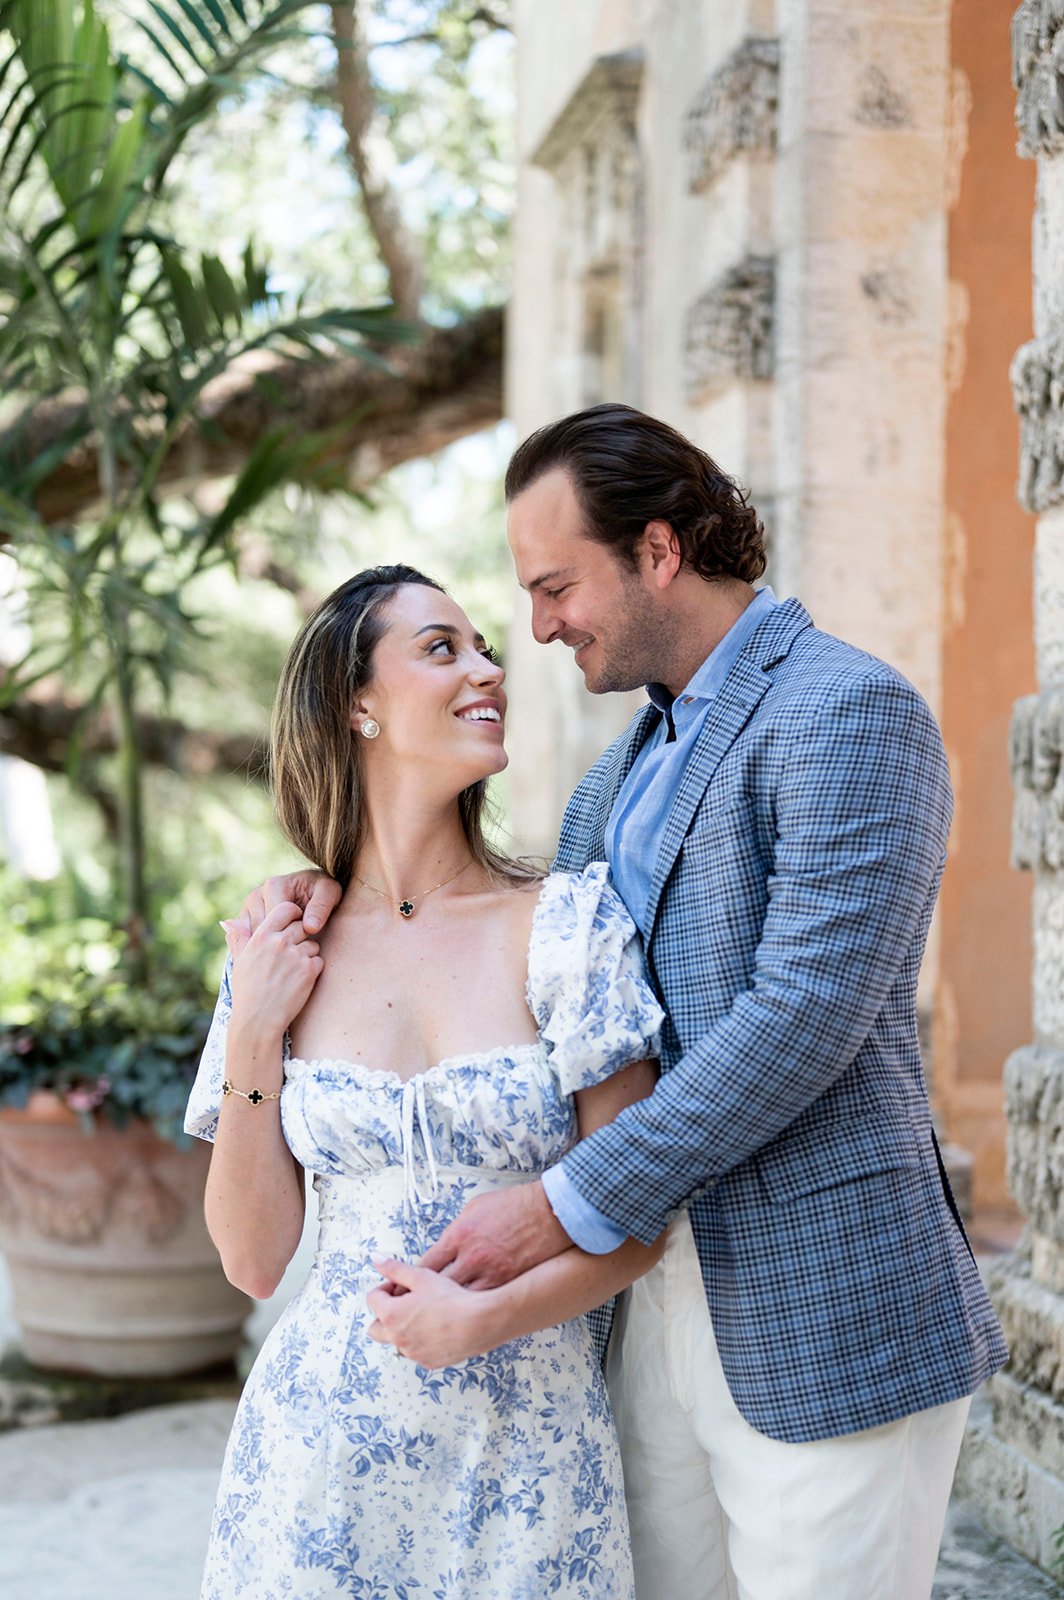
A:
(580, 592)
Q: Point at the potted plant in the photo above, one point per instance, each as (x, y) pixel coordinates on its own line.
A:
(112, 1270)
(111, 338)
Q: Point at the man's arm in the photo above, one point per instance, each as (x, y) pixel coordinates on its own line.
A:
(468, 1250)
(862, 816)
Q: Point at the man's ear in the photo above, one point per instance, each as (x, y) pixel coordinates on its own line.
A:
(660, 557)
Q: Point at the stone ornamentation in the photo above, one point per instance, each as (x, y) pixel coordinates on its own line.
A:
(735, 114)
(1038, 73)
(730, 331)
(1038, 393)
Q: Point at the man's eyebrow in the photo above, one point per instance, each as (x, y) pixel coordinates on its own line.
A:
(448, 628)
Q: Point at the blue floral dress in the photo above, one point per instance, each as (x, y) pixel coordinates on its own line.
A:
(352, 1472)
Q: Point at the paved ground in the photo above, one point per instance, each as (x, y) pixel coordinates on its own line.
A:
(119, 1510)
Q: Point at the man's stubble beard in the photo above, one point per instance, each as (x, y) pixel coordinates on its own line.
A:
(640, 651)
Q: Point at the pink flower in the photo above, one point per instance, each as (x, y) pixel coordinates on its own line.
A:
(87, 1096)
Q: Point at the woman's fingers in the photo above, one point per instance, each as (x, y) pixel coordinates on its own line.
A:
(253, 911)
(402, 1274)
(236, 936)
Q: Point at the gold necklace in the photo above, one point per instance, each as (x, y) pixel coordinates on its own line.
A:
(406, 906)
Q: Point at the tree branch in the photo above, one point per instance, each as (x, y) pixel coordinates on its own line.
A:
(256, 560)
(40, 730)
(447, 385)
(365, 144)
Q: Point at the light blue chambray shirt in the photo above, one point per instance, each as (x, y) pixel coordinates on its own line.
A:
(633, 836)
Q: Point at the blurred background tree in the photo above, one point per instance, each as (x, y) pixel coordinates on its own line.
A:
(369, 154)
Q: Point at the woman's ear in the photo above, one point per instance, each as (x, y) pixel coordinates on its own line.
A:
(360, 710)
(363, 721)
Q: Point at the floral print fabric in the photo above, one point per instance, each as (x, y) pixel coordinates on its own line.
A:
(350, 1471)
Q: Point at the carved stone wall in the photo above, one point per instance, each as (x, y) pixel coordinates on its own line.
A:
(1014, 1459)
(736, 113)
(1039, 398)
(729, 331)
(592, 152)
(1038, 71)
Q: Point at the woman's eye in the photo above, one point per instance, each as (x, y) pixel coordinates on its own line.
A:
(491, 654)
(440, 644)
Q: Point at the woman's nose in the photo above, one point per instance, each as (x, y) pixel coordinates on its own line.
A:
(492, 672)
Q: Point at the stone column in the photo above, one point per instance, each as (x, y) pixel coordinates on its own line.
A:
(1013, 1462)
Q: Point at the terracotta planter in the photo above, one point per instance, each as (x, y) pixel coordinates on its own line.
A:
(112, 1270)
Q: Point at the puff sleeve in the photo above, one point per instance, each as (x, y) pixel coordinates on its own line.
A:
(204, 1103)
(587, 984)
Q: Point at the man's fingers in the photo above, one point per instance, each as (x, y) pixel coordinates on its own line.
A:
(324, 900)
(283, 891)
(439, 1257)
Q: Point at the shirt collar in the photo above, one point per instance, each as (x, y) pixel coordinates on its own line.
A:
(708, 680)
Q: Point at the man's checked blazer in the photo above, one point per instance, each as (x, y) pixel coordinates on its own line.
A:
(787, 919)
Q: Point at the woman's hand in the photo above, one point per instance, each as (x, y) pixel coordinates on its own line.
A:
(274, 968)
(428, 1318)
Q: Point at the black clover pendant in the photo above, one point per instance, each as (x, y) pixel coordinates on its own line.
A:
(256, 1097)
(406, 908)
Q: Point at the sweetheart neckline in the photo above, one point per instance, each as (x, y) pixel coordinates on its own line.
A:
(389, 1076)
(476, 1056)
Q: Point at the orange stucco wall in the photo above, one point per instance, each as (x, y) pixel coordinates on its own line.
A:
(984, 1007)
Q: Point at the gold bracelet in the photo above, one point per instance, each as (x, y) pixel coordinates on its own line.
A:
(256, 1096)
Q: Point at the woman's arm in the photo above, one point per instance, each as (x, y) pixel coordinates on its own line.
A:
(436, 1322)
(256, 1195)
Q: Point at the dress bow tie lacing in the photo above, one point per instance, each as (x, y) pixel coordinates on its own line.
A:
(413, 1109)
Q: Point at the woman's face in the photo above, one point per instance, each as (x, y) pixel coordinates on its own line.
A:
(436, 691)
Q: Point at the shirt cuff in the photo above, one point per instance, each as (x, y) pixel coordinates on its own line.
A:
(585, 1225)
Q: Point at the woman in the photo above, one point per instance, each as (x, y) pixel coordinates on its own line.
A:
(461, 1022)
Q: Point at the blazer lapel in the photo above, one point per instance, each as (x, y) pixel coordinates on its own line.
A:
(627, 748)
(743, 689)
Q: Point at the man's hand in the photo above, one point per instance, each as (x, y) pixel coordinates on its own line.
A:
(427, 1317)
(497, 1237)
(316, 895)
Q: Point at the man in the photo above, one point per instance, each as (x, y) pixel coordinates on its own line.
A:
(793, 1380)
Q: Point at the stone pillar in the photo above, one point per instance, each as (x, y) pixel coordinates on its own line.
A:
(1014, 1460)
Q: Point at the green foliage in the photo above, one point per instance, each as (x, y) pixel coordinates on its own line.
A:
(104, 1045)
(75, 1026)
(443, 81)
(126, 286)
(102, 307)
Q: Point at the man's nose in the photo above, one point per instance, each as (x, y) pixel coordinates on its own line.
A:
(545, 625)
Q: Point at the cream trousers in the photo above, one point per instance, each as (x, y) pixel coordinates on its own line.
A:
(719, 1511)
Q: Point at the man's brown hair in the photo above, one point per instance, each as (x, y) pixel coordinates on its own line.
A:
(628, 469)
